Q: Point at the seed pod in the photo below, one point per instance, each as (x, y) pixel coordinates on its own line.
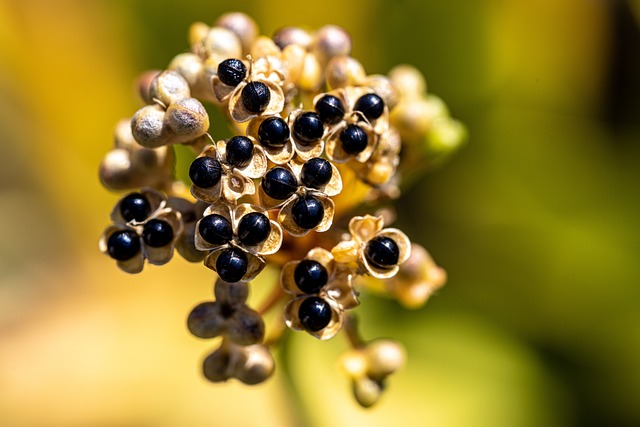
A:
(221, 44)
(147, 127)
(331, 41)
(287, 36)
(116, 172)
(242, 26)
(384, 358)
(144, 85)
(408, 80)
(169, 87)
(414, 117)
(310, 77)
(198, 31)
(383, 86)
(191, 67)
(188, 119)
(343, 71)
(256, 366)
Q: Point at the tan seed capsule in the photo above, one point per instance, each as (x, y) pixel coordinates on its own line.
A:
(385, 357)
(384, 88)
(116, 171)
(264, 46)
(221, 44)
(189, 66)
(366, 391)
(311, 76)
(292, 35)
(242, 26)
(408, 80)
(169, 87)
(198, 31)
(144, 85)
(331, 41)
(147, 127)
(414, 117)
(188, 119)
(257, 366)
(343, 71)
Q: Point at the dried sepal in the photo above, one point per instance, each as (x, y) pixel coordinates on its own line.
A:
(292, 318)
(364, 228)
(236, 185)
(346, 251)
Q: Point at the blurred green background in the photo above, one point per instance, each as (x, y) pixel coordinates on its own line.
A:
(536, 220)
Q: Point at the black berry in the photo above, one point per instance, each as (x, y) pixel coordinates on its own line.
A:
(354, 139)
(157, 233)
(316, 173)
(239, 151)
(279, 183)
(307, 212)
(314, 314)
(330, 109)
(232, 71)
(371, 105)
(382, 252)
(231, 265)
(135, 207)
(308, 128)
(253, 229)
(205, 172)
(123, 245)
(310, 276)
(255, 97)
(273, 132)
(215, 229)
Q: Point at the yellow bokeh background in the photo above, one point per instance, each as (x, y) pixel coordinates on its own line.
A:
(535, 220)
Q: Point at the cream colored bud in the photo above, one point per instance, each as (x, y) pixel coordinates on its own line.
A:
(331, 41)
(414, 117)
(292, 35)
(198, 31)
(242, 26)
(408, 80)
(258, 365)
(343, 71)
(188, 119)
(144, 85)
(169, 87)
(310, 78)
(385, 357)
(222, 44)
(147, 127)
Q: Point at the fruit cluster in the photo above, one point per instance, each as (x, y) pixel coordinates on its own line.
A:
(315, 139)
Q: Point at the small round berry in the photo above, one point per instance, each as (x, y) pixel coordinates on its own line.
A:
(371, 105)
(255, 97)
(239, 151)
(310, 276)
(205, 172)
(279, 183)
(308, 128)
(354, 139)
(382, 252)
(314, 314)
(253, 229)
(157, 233)
(330, 109)
(273, 132)
(135, 207)
(215, 229)
(307, 212)
(231, 72)
(231, 265)
(316, 173)
(123, 245)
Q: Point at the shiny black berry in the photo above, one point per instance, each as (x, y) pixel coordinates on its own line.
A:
(279, 183)
(308, 128)
(273, 132)
(239, 151)
(123, 245)
(231, 265)
(135, 207)
(253, 229)
(255, 97)
(232, 71)
(307, 212)
(330, 109)
(316, 173)
(216, 229)
(371, 105)
(310, 276)
(157, 233)
(382, 252)
(314, 314)
(205, 172)
(354, 139)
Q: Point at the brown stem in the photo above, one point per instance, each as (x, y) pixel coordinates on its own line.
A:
(351, 330)
(277, 293)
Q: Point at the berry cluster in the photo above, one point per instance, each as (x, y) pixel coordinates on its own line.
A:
(315, 138)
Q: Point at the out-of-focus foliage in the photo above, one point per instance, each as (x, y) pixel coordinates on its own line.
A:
(535, 220)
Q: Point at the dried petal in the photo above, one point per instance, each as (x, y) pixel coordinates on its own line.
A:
(364, 228)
